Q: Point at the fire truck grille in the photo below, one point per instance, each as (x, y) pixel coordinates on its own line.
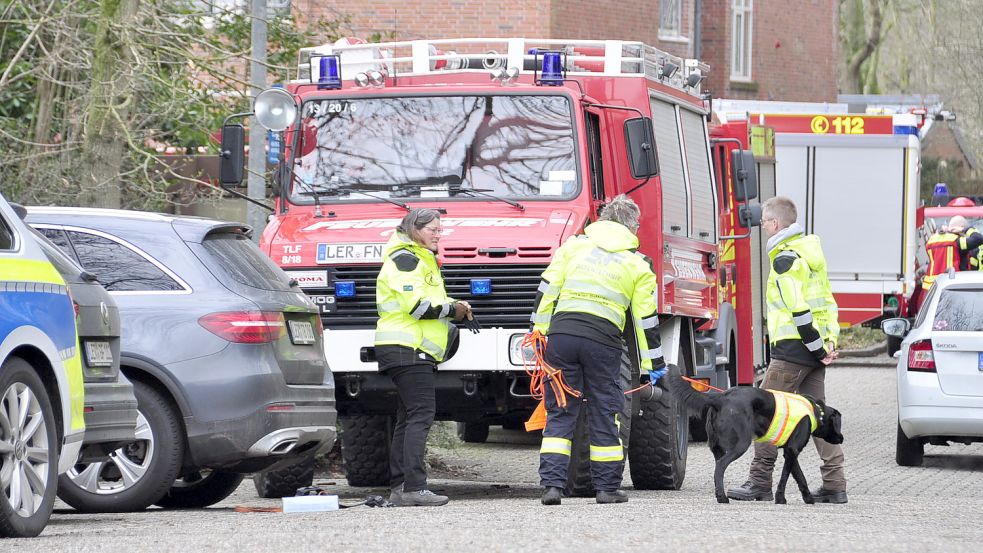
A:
(508, 306)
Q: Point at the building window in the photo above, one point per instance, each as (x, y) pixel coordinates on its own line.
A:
(670, 18)
(741, 38)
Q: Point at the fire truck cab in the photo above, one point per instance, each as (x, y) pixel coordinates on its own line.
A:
(518, 143)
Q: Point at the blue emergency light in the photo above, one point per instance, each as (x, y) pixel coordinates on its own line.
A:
(553, 71)
(344, 288)
(481, 286)
(941, 189)
(329, 74)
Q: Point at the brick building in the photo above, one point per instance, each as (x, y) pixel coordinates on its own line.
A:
(757, 49)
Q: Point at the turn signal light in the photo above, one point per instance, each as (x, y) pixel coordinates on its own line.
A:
(920, 357)
(245, 327)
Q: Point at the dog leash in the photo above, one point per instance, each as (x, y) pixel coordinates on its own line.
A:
(686, 378)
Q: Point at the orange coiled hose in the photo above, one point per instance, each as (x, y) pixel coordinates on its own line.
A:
(540, 373)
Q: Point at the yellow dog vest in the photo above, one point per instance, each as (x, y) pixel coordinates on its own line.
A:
(789, 410)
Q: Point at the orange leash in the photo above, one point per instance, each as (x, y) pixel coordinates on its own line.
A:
(540, 373)
(686, 378)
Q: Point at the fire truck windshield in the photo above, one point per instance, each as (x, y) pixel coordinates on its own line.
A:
(518, 146)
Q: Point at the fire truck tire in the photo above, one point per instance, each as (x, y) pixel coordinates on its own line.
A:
(365, 443)
(893, 345)
(284, 482)
(578, 472)
(472, 432)
(659, 443)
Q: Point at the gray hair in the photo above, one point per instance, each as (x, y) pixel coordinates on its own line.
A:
(416, 219)
(781, 209)
(623, 210)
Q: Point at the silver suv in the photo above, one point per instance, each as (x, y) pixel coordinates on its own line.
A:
(223, 349)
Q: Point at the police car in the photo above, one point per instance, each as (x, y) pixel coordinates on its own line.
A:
(41, 389)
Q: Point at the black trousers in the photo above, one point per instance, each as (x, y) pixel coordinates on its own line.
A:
(415, 410)
(593, 368)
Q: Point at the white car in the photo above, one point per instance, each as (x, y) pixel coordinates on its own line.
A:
(940, 370)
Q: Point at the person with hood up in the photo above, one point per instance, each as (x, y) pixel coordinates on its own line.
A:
(581, 307)
(413, 334)
(803, 329)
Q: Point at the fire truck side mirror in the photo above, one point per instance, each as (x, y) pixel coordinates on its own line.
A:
(745, 175)
(749, 215)
(640, 143)
(232, 155)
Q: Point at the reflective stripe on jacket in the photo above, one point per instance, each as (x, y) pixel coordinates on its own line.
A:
(800, 301)
(600, 273)
(414, 309)
(789, 410)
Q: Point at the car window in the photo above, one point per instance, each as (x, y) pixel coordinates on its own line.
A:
(58, 238)
(960, 309)
(66, 267)
(118, 268)
(236, 256)
(6, 236)
(923, 310)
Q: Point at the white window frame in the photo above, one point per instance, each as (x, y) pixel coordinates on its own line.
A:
(674, 32)
(741, 39)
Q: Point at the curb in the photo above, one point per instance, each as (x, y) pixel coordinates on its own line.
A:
(871, 351)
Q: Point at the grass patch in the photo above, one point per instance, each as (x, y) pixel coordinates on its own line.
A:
(859, 337)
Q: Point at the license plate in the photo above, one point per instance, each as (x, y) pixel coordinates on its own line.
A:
(349, 253)
(98, 354)
(301, 332)
(326, 304)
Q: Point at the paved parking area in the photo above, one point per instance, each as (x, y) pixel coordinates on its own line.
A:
(495, 505)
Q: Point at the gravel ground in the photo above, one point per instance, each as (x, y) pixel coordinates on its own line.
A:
(495, 507)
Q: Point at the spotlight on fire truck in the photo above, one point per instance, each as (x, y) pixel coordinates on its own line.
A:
(275, 109)
(328, 71)
(361, 80)
(695, 78)
(668, 70)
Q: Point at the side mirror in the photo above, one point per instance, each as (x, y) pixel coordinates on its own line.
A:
(749, 215)
(640, 143)
(896, 327)
(745, 175)
(232, 156)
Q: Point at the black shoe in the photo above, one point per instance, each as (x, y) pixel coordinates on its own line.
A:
(750, 492)
(617, 496)
(822, 495)
(552, 496)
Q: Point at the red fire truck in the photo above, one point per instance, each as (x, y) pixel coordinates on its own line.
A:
(517, 163)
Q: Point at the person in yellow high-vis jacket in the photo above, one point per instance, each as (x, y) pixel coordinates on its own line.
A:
(414, 333)
(803, 330)
(582, 307)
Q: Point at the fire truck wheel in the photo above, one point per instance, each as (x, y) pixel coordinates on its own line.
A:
(659, 442)
(893, 345)
(284, 482)
(365, 443)
(578, 471)
(472, 432)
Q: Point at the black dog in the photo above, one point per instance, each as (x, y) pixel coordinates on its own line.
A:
(736, 417)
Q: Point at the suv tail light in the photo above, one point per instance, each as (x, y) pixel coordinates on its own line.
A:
(920, 356)
(245, 327)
